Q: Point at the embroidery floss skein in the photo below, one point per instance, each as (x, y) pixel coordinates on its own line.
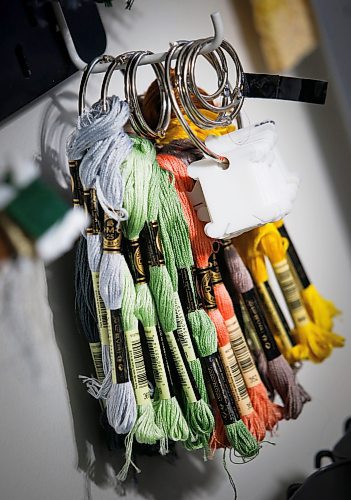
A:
(101, 386)
(268, 411)
(318, 343)
(320, 310)
(121, 405)
(178, 254)
(101, 143)
(245, 443)
(256, 349)
(97, 143)
(177, 250)
(198, 415)
(255, 261)
(145, 429)
(85, 310)
(94, 249)
(278, 370)
(136, 172)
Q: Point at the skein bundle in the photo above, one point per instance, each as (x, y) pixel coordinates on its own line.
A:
(178, 255)
(279, 372)
(320, 310)
(136, 173)
(95, 150)
(266, 411)
(255, 261)
(202, 249)
(198, 414)
(315, 342)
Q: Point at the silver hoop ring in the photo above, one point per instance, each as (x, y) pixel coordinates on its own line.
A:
(136, 116)
(85, 77)
(119, 60)
(232, 100)
(186, 87)
(178, 111)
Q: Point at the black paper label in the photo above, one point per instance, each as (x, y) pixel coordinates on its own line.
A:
(76, 185)
(220, 388)
(186, 291)
(159, 365)
(182, 366)
(157, 242)
(284, 87)
(197, 296)
(135, 261)
(279, 312)
(154, 249)
(164, 351)
(112, 240)
(259, 321)
(92, 207)
(215, 271)
(120, 352)
(295, 259)
(205, 288)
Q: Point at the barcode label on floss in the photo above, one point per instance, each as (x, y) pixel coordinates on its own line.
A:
(235, 379)
(137, 367)
(157, 362)
(291, 292)
(242, 353)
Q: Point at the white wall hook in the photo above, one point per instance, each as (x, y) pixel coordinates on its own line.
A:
(216, 41)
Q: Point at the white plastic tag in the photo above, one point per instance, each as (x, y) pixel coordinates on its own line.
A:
(255, 189)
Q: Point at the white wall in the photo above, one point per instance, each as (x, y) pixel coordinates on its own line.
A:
(49, 437)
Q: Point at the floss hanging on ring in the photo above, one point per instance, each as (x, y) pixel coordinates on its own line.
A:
(255, 188)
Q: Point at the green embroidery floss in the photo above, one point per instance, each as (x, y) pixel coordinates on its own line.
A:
(201, 327)
(170, 209)
(198, 414)
(145, 429)
(136, 173)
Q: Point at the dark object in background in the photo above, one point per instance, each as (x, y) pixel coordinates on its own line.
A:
(340, 452)
(331, 482)
(32, 52)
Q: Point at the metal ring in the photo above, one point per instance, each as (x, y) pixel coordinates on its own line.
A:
(185, 86)
(225, 105)
(119, 60)
(232, 100)
(136, 117)
(178, 111)
(85, 77)
(216, 59)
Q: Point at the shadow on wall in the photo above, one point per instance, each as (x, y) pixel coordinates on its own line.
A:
(329, 127)
(161, 477)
